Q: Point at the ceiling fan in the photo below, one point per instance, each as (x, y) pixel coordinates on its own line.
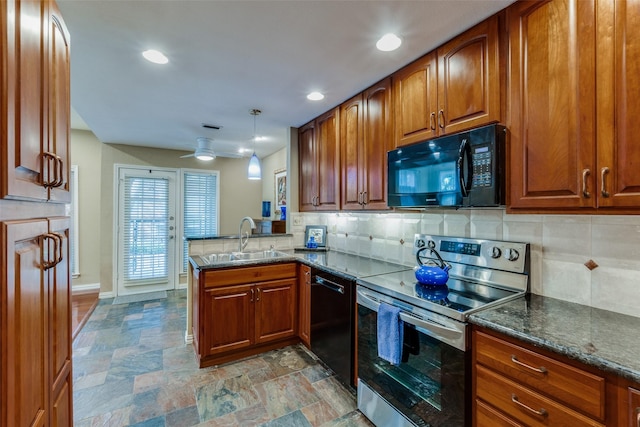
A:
(206, 152)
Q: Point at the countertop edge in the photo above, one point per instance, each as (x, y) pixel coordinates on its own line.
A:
(571, 352)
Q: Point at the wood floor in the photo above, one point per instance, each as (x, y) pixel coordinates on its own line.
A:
(82, 305)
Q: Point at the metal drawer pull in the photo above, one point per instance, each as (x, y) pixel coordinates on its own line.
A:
(540, 370)
(604, 172)
(441, 119)
(585, 174)
(252, 294)
(542, 412)
(432, 121)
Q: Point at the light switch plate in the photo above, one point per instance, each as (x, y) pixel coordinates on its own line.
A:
(297, 220)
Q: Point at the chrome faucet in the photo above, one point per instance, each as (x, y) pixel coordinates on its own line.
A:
(242, 244)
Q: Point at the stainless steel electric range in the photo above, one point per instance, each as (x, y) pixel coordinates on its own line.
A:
(431, 385)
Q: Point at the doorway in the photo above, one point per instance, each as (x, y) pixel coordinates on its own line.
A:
(146, 230)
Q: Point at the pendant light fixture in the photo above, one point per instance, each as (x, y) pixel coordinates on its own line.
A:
(255, 171)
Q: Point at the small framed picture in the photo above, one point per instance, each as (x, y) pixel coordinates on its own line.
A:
(319, 233)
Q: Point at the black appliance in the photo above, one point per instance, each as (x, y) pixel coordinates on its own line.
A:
(432, 384)
(466, 169)
(333, 324)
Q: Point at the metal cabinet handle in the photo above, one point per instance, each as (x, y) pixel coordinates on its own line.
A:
(603, 173)
(541, 413)
(258, 294)
(441, 119)
(251, 295)
(364, 198)
(540, 370)
(61, 176)
(50, 260)
(432, 121)
(585, 174)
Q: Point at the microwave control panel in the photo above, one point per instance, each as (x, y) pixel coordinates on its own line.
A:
(482, 166)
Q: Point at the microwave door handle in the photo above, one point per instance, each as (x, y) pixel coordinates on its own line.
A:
(465, 151)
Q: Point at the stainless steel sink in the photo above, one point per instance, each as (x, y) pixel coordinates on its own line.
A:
(233, 257)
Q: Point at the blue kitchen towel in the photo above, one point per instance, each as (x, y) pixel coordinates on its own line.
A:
(390, 331)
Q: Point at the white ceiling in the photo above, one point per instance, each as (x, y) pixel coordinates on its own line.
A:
(227, 57)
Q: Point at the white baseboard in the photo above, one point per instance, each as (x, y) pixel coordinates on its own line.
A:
(188, 338)
(85, 289)
(104, 295)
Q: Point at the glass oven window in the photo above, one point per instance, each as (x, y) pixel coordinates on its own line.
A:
(428, 386)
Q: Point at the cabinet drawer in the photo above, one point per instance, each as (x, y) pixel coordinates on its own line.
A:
(486, 416)
(243, 275)
(571, 386)
(523, 404)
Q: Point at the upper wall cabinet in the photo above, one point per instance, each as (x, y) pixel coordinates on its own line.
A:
(571, 139)
(35, 102)
(319, 163)
(457, 87)
(365, 137)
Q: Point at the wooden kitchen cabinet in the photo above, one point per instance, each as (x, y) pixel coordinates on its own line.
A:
(35, 102)
(243, 311)
(572, 144)
(36, 323)
(365, 137)
(517, 384)
(454, 88)
(304, 304)
(319, 163)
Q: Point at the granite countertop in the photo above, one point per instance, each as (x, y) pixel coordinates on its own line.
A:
(603, 339)
(348, 266)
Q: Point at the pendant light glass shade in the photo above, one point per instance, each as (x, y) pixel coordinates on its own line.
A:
(255, 171)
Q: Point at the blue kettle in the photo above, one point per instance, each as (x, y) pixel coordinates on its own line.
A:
(431, 272)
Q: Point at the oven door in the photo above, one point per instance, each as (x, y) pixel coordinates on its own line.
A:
(430, 386)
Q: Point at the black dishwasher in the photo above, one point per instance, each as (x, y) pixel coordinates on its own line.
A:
(332, 323)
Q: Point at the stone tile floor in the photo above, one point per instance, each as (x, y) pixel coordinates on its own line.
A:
(132, 367)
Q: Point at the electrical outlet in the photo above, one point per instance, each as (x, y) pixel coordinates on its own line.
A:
(297, 220)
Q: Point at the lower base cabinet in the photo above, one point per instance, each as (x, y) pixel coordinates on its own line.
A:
(243, 311)
(516, 384)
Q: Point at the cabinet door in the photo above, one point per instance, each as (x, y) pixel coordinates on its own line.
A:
(619, 90)
(61, 413)
(469, 79)
(59, 288)
(307, 156)
(304, 306)
(552, 104)
(24, 323)
(378, 139)
(327, 139)
(415, 91)
(634, 407)
(351, 145)
(276, 310)
(59, 106)
(229, 319)
(22, 75)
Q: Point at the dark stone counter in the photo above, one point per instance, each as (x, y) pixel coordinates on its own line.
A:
(604, 339)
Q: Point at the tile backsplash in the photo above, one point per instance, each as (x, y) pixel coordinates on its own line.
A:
(560, 246)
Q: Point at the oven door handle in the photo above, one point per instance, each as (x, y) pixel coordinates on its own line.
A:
(426, 324)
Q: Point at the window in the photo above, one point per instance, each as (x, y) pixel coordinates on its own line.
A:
(146, 212)
(74, 245)
(200, 203)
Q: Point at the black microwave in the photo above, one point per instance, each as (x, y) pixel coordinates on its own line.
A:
(465, 169)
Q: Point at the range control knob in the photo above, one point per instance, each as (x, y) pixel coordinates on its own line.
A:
(420, 243)
(511, 254)
(431, 244)
(496, 252)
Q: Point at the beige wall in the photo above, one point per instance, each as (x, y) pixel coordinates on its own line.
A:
(86, 153)
(239, 196)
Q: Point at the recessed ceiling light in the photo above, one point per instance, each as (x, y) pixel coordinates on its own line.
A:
(315, 96)
(388, 42)
(155, 56)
